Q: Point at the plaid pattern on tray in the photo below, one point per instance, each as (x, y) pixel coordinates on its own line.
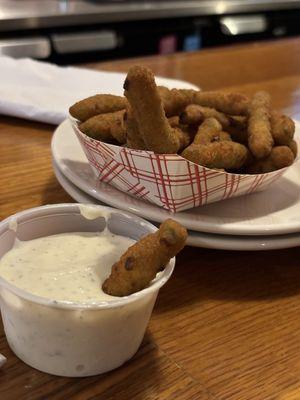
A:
(167, 180)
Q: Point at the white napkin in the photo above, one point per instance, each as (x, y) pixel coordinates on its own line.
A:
(44, 92)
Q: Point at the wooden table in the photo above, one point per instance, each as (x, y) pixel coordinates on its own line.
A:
(227, 325)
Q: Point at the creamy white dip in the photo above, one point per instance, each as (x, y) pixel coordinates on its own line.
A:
(71, 340)
(68, 266)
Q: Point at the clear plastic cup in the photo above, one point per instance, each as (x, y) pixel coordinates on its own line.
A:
(69, 338)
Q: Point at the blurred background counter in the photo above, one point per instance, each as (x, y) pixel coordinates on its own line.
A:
(72, 31)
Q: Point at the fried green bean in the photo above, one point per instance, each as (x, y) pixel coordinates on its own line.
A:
(139, 265)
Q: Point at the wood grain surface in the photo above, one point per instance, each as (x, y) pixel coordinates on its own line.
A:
(226, 326)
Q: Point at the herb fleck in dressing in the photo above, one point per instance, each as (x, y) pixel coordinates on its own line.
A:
(68, 266)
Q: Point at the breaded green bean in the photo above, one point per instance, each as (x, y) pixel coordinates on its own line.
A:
(207, 131)
(175, 100)
(143, 96)
(223, 154)
(260, 140)
(195, 115)
(280, 157)
(228, 103)
(98, 104)
(282, 128)
(139, 265)
(106, 127)
(211, 137)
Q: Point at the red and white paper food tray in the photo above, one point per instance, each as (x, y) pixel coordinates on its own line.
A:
(167, 180)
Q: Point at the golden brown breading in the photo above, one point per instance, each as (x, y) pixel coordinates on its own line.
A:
(210, 131)
(282, 128)
(98, 104)
(225, 131)
(142, 94)
(184, 137)
(134, 139)
(141, 262)
(211, 137)
(280, 157)
(194, 114)
(294, 147)
(238, 129)
(260, 140)
(182, 131)
(106, 127)
(222, 154)
(174, 121)
(175, 100)
(228, 103)
(163, 91)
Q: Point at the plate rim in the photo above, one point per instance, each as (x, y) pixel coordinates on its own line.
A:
(195, 239)
(156, 213)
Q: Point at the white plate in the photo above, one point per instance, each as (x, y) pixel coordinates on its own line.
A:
(274, 211)
(197, 239)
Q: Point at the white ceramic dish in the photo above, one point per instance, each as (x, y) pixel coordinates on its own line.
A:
(272, 212)
(198, 239)
(70, 338)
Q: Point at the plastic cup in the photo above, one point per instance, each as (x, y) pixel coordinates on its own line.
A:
(69, 338)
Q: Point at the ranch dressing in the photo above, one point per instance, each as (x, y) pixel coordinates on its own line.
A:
(91, 212)
(95, 334)
(67, 267)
